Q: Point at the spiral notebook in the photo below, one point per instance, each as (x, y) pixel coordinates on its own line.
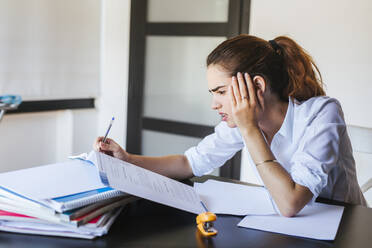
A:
(65, 203)
(61, 186)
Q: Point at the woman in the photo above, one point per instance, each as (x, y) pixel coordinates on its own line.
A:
(270, 98)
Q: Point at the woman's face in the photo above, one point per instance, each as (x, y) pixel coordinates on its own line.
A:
(218, 85)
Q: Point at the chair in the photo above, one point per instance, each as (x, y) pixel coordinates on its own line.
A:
(361, 141)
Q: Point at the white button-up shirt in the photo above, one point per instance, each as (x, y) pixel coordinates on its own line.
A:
(312, 145)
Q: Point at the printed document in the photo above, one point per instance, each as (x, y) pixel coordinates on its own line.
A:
(140, 182)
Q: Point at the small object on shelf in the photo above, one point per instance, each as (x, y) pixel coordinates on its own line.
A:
(9, 102)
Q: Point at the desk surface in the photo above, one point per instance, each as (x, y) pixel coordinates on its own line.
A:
(147, 224)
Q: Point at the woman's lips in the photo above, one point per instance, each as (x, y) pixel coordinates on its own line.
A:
(223, 116)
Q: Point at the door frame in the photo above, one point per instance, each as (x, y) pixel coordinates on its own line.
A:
(238, 22)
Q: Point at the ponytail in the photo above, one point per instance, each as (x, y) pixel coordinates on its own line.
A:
(304, 78)
(285, 66)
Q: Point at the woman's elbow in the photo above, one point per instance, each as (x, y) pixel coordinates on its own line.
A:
(291, 208)
(294, 203)
(288, 212)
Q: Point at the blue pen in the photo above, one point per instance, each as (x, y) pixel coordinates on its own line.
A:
(108, 129)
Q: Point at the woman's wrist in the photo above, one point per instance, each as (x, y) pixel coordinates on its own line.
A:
(128, 158)
(250, 130)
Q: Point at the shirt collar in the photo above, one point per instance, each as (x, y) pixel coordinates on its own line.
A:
(286, 129)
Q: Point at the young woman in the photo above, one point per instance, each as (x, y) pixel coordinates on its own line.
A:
(270, 98)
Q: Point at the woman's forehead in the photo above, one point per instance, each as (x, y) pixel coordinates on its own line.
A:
(216, 76)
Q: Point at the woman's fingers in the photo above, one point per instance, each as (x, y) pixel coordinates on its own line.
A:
(232, 96)
(96, 144)
(236, 92)
(107, 146)
(242, 86)
(251, 89)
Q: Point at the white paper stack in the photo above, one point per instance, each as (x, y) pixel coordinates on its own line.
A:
(235, 199)
(64, 199)
(11, 222)
(316, 221)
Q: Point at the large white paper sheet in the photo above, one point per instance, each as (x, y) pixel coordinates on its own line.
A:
(235, 199)
(316, 221)
(49, 181)
(140, 182)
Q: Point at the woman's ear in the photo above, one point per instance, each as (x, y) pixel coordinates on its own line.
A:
(260, 83)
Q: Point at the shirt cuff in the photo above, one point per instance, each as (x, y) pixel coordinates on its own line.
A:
(315, 181)
(196, 170)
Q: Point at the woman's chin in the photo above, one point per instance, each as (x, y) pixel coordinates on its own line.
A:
(231, 124)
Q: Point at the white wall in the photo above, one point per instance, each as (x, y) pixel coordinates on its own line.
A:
(50, 49)
(114, 68)
(40, 138)
(337, 33)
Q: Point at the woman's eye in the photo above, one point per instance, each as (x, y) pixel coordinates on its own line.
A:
(221, 92)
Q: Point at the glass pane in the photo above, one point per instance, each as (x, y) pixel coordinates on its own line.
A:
(175, 79)
(160, 144)
(188, 11)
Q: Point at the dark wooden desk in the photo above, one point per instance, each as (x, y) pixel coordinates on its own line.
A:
(147, 224)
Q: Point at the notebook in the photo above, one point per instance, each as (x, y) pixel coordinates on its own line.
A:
(65, 203)
(61, 186)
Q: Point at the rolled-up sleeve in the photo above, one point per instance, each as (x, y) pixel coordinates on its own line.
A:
(214, 150)
(316, 156)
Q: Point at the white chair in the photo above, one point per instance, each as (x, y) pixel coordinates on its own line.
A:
(361, 141)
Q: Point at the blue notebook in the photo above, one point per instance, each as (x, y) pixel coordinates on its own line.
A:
(61, 186)
(65, 203)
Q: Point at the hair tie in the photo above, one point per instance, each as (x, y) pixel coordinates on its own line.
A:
(275, 45)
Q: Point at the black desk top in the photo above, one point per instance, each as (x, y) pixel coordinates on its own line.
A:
(148, 224)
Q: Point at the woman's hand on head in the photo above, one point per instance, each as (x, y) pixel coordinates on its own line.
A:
(110, 147)
(246, 101)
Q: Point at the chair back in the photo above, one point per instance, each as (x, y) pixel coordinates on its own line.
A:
(361, 141)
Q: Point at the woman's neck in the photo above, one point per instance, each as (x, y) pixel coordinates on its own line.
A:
(273, 119)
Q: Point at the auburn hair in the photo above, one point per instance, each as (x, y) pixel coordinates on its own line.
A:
(288, 69)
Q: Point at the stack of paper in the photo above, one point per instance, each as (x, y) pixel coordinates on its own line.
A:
(218, 197)
(13, 222)
(236, 199)
(65, 199)
(317, 221)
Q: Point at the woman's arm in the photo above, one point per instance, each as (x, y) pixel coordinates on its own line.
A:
(289, 196)
(173, 166)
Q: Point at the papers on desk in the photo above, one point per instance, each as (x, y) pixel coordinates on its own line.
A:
(59, 199)
(140, 182)
(316, 221)
(31, 182)
(13, 222)
(235, 199)
(37, 193)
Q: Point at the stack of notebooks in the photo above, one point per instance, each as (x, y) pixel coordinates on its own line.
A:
(64, 199)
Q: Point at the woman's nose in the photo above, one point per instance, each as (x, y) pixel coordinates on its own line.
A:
(215, 105)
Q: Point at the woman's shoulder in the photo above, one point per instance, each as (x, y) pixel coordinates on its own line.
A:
(321, 108)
